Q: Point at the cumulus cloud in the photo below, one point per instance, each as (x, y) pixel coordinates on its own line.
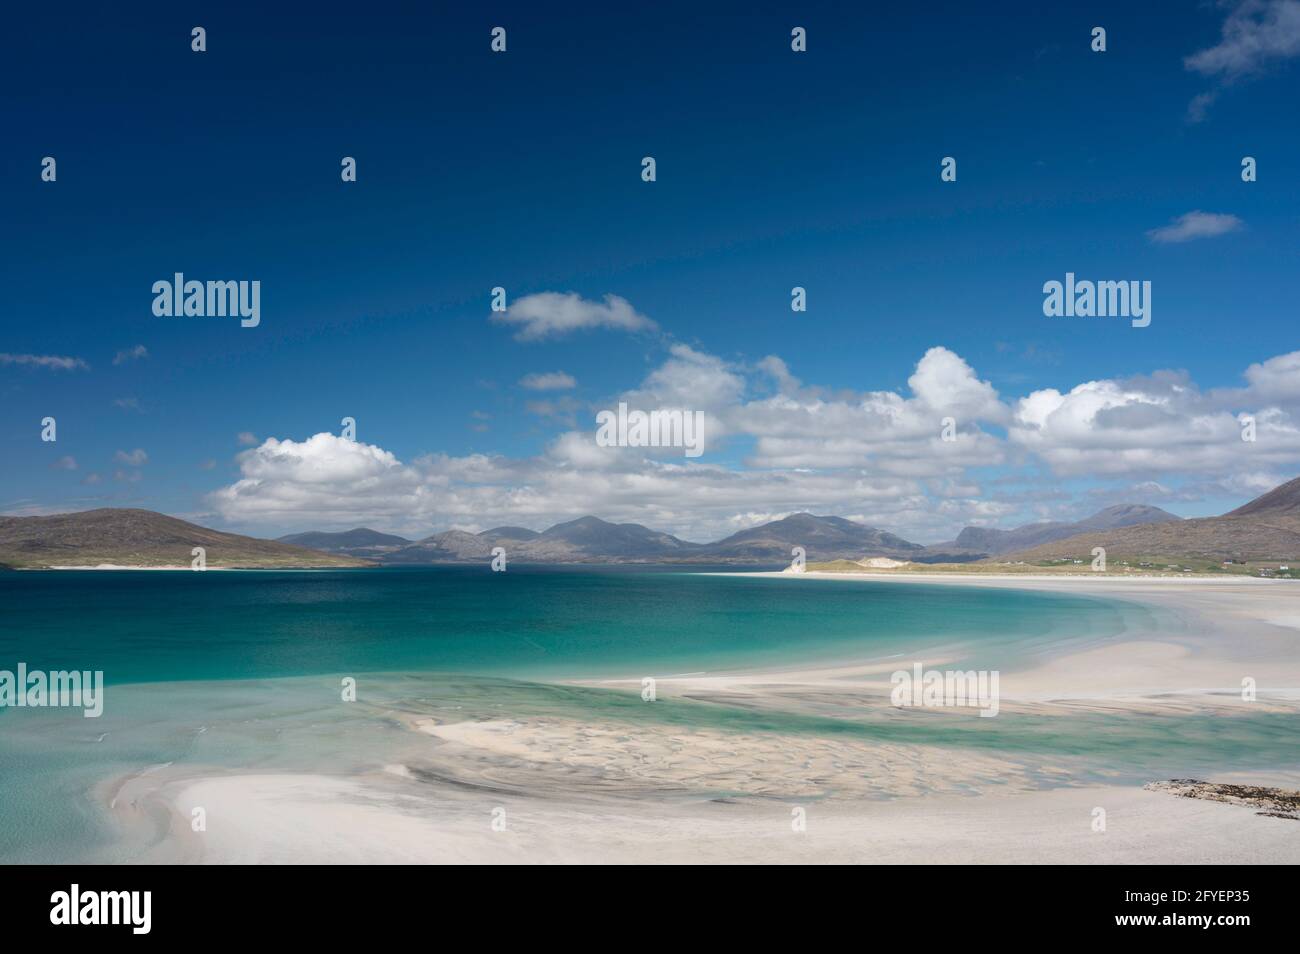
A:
(943, 381)
(320, 477)
(552, 314)
(65, 463)
(52, 362)
(326, 481)
(247, 438)
(1164, 424)
(689, 379)
(548, 381)
(846, 454)
(1277, 379)
(878, 456)
(1195, 225)
(895, 434)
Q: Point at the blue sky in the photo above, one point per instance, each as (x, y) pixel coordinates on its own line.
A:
(522, 170)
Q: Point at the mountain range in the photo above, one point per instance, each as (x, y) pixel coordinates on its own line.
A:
(1267, 528)
(592, 540)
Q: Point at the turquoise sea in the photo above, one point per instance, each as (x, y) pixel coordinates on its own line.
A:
(242, 670)
(151, 626)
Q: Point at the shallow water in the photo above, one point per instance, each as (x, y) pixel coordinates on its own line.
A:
(242, 671)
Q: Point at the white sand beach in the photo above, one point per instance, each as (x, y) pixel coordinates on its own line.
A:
(261, 819)
(537, 789)
(1235, 628)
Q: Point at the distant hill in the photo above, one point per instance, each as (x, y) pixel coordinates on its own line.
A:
(1280, 507)
(823, 538)
(1266, 529)
(599, 538)
(362, 542)
(585, 540)
(990, 541)
(453, 546)
(128, 537)
(510, 533)
(1126, 515)
(592, 540)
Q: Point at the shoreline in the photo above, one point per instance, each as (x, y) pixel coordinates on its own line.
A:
(1198, 665)
(116, 566)
(1011, 579)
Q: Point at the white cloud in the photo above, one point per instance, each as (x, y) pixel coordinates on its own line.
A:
(775, 368)
(131, 354)
(1256, 35)
(548, 381)
(1277, 379)
(803, 427)
(1195, 225)
(247, 438)
(947, 384)
(330, 482)
(552, 314)
(689, 379)
(135, 458)
(874, 455)
(53, 362)
(319, 478)
(1164, 424)
(65, 463)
